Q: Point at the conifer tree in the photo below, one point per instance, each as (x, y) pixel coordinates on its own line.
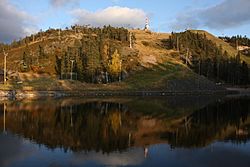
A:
(58, 66)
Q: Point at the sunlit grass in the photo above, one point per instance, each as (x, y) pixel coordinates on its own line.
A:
(156, 77)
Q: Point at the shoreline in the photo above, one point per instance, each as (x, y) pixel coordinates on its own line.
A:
(32, 94)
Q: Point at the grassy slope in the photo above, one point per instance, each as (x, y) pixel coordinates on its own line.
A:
(157, 77)
(158, 65)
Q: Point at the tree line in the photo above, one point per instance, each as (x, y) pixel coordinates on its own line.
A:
(204, 57)
(237, 40)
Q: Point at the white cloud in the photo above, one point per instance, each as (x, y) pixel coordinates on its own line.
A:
(14, 23)
(226, 15)
(115, 16)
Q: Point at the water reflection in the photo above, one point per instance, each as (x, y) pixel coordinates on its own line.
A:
(226, 120)
(4, 117)
(121, 132)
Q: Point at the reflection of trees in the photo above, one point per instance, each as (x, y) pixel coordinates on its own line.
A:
(90, 126)
(97, 125)
(218, 121)
(107, 126)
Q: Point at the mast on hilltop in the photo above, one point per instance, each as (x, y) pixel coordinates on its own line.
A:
(147, 25)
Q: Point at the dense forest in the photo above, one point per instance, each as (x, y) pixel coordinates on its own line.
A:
(96, 58)
(207, 59)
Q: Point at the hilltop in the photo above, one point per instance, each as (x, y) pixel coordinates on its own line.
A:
(102, 60)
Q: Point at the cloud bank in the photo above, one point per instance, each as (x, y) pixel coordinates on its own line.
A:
(226, 15)
(14, 23)
(115, 16)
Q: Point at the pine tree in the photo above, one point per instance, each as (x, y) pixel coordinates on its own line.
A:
(65, 64)
(58, 66)
(79, 65)
(41, 52)
(244, 71)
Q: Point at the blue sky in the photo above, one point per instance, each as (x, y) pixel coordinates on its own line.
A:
(228, 17)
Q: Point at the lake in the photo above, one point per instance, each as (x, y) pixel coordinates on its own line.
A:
(182, 131)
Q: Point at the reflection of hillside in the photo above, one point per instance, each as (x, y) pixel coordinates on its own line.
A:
(225, 120)
(105, 126)
(169, 107)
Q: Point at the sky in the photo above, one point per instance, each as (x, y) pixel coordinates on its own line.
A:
(19, 18)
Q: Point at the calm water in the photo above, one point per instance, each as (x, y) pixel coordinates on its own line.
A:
(173, 131)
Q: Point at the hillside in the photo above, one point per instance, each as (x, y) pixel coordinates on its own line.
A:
(210, 57)
(153, 54)
(33, 61)
(225, 46)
